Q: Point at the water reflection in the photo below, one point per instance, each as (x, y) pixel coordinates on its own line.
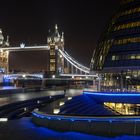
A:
(10, 98)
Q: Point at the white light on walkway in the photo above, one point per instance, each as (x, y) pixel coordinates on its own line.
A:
(61, 103)
(69, 98)
(3, 119)
(56, 111)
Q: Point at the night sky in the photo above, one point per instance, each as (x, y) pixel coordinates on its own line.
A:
(82, 21)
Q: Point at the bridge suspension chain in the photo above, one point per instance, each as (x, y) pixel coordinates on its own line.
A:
(73, 62)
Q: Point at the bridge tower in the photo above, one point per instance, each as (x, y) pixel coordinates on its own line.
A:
(4, 54)
(56, 63)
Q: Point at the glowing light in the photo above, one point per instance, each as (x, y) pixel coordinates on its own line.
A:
(61, 103)
(49, 39)
(79, 75)
(22, 45)
(27, 47)
(15, 76)
(53, 76)
(56, 27)
(69, 98)
(56, 111)
(128, 77)
(56, 47)
(38, 101)
(24, 76)
(36, 109)
(101, 57)
(89, 119)
(7, 52)
(75, 61)
(25, 109)
(3, 119)
(127, 94)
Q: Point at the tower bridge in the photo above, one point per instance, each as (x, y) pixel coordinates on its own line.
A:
(60, 62)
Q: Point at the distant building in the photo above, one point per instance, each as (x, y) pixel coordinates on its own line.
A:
(3, 54)
(3, 43)
(117, 56)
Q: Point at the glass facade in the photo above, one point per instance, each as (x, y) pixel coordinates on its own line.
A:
(124, 109)
(118, 52)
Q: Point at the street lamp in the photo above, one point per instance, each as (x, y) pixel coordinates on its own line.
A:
(53, 76)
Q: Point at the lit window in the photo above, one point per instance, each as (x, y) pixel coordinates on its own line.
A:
(52, 60)
(127, 40)
(138, 56)
(132, 57)
(127, 25)
(52, 67)
(52, 52)
(113, 57)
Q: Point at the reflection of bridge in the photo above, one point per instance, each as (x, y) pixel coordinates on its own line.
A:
(60, 62)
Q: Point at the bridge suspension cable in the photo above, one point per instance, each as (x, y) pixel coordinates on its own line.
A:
(73, 62)
(77, 63)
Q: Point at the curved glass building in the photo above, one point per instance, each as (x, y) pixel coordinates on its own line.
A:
(117, 55)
